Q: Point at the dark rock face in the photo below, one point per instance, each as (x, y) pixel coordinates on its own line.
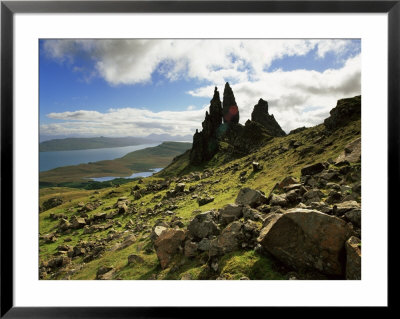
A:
(205, 143)
(346, 110)
(246, 138)
(230, 109)
(260, 115)
(221, 124)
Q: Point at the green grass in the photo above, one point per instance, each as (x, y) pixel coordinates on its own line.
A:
(249, 264)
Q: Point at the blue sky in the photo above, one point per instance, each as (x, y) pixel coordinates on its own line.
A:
(140, 87)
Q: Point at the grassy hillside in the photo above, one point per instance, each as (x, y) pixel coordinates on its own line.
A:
(137, 161)
(221, 178)
(68, 144)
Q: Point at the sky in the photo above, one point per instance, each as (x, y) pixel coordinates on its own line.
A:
(137, 87)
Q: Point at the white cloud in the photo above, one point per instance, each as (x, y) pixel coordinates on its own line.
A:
(296, 98)
(124, 122)
(290, 94)
(134, 61)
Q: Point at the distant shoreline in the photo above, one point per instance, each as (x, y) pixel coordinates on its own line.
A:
(89, 143)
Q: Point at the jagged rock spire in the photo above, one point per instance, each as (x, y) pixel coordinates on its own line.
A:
(205, 143)
(260, 115)
(230, 109)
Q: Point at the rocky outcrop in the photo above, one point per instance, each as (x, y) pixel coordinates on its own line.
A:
(260, 115)
(205, 143)
(221, 124)
(230, 110)
(346, 110)
(351, 153)
(306, 238)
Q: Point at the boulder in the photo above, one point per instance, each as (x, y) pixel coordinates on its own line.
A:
(128, 241)
(354, 216)
(168, 244)
(205, 200)
(157, 232)
(229, 240)
(58, 262)
(230, 213)
(135, 259)
(179, 188)
(190, 249)
(353, 258)
(251, 214)
(49, 238)
(287, 181)
(342, 208)
(278, 200)
(250, 197)
(312, 169)
(203, 225)
(313, 195)
(204, 244)
(293, 196)
(78, 222)
(64, 224)
(256, 166)
(303, 238)
(105, 273)
(334, 197)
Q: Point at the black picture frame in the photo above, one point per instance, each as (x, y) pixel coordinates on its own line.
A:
(9, 8)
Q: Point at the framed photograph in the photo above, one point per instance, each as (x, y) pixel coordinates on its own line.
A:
(164, 155)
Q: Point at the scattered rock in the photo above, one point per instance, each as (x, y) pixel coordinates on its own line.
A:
(278, 200)
(228, 241)
(205, 200)
(256, 166)
(230, 213)
(105, 273)
(157, 232)
(354, 216)
(168, 244)
(135, 259)
(342, 208)
(190, 249)
(51, 203)
(250, 197)
(203, 225)
(312, 169)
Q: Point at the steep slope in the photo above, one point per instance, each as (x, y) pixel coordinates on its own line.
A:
(162, 228)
